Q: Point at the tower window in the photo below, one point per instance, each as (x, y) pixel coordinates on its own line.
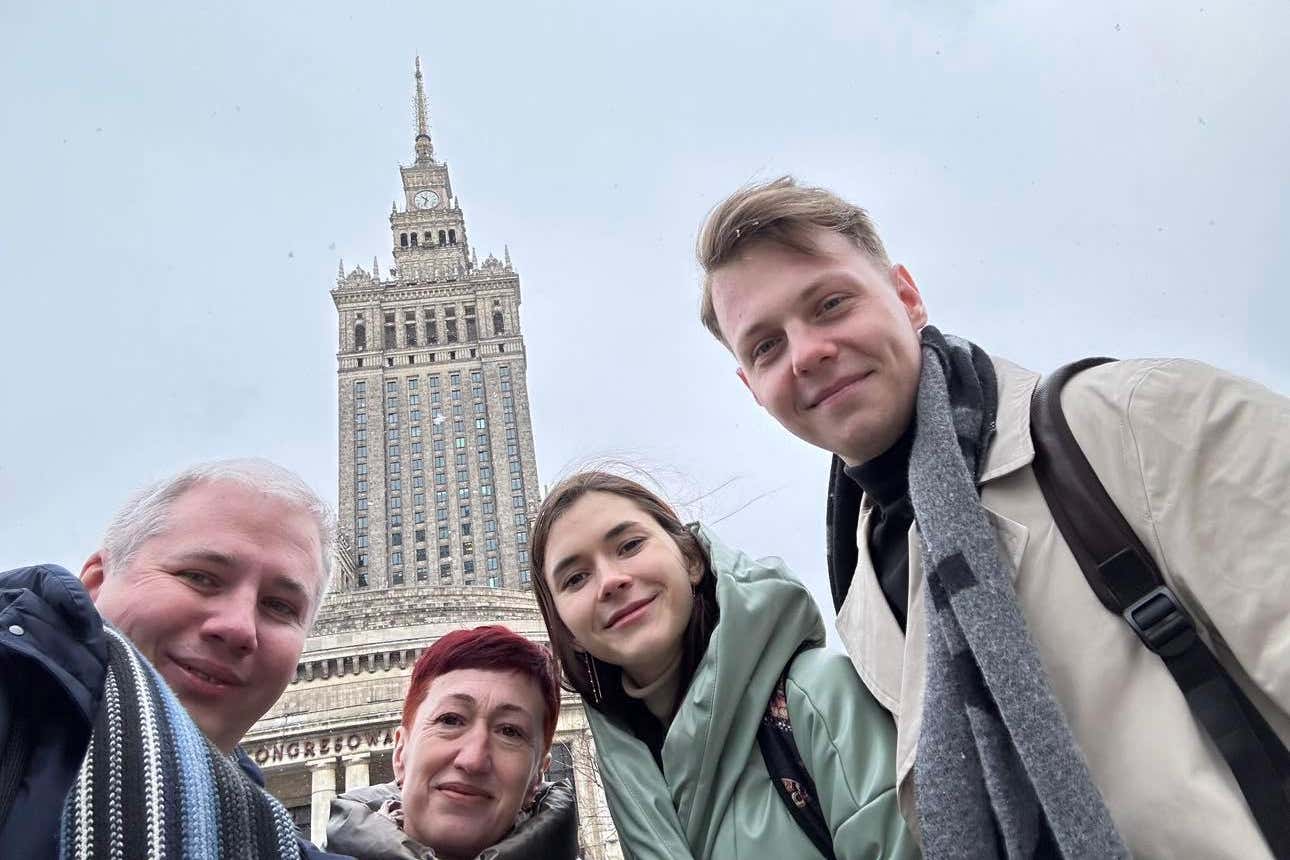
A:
(472, 328)
(452, 237)
(499, 322)
(389, 330)
(426, 237)
(410, 327)
(432, 327)
(403, 240)
(414, 240)
(450, 324)
(360, 336)
(443, 238)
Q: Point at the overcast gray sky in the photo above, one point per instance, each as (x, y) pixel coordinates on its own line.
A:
(179, 181)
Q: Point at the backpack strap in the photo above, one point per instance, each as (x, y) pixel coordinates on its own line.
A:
(1125, 578)
(788, 773)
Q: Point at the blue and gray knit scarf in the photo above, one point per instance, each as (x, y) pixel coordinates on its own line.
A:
(153, 786)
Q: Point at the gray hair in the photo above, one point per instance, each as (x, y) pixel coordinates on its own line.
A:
(145, 515)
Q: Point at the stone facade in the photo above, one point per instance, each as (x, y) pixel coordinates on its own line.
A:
(438, 481)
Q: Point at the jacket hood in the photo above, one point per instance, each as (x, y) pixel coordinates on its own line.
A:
(363, 823)
(766, 616)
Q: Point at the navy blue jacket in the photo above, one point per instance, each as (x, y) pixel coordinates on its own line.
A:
(53, 663)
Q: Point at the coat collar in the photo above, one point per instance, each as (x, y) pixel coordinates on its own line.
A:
(1012, 447)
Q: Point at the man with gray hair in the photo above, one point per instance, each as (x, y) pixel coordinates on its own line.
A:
(126, 692)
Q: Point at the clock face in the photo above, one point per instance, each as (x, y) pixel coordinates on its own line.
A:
(426, 200)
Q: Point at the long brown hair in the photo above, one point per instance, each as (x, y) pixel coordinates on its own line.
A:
(604, 691)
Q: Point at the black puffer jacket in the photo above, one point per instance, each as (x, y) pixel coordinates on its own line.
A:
(360, 825)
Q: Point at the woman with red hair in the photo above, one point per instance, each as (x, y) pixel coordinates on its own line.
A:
(468, 760)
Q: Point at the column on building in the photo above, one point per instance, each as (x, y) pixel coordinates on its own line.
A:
(357, 772)
(323, 791)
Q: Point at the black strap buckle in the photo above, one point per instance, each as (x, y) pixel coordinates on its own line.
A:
(1161, 622)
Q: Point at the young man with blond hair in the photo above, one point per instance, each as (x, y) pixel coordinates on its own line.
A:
(1030, 720)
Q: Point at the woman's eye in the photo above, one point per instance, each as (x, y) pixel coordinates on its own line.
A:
(448, 720)
(512, 732)
(575, 579)
(632, 545)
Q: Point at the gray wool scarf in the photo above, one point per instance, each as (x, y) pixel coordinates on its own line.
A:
(998, 771)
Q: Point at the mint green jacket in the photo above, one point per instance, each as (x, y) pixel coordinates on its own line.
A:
(714, 799)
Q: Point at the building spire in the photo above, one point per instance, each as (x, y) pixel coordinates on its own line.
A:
(424, 147)
(423, 123)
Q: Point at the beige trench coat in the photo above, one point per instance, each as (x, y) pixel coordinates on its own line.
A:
(1198, 461)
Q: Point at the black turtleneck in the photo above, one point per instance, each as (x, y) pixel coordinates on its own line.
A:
(885, 480)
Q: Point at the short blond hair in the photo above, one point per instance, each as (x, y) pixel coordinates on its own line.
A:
(781, 212)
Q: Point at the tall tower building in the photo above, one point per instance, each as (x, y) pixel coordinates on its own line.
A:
(437, 472)
(437, 484)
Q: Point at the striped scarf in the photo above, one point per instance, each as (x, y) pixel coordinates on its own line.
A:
(153, 786)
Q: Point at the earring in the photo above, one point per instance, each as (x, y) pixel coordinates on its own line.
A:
(590, 664)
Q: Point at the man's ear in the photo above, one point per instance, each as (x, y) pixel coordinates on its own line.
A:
(93, 573)
(400, 741)
(909, 295)
(743, 377)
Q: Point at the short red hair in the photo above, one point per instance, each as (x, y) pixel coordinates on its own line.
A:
(492, 648)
